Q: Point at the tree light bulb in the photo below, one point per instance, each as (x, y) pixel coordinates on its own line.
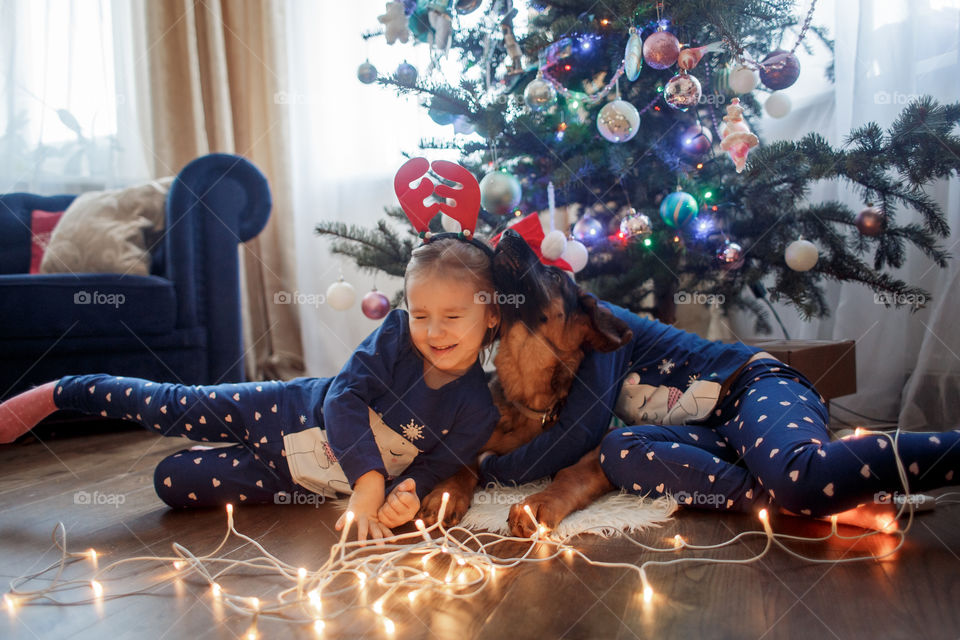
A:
(677, 541)
(762, 515)
(318, 626)
(647, 593)
(215, 589)
(178, 564)
(97, 588)
(10, 601)
(229, 508)
(388, 626)
(255, 603)
(301, 573)
(93, 555)
(378, 606)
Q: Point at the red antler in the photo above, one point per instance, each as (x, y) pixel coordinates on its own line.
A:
(466, 198)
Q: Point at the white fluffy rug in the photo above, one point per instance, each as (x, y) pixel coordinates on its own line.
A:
(614, 513)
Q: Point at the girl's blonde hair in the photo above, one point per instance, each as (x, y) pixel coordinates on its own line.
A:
(461, 260)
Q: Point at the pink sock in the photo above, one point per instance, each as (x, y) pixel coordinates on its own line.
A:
(22, 412)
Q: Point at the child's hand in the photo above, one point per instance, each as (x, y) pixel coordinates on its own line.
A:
(364, 503)
(401, 505)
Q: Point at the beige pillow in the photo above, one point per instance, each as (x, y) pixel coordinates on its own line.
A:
(108, 231)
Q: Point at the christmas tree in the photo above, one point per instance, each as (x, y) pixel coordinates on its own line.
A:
(628, 115)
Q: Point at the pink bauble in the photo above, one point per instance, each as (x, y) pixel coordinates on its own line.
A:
(375, 305)
(661, 49)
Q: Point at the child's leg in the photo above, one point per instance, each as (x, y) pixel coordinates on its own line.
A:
(217, 476)
(218, 413)
(780, 431)
(22, 412)
(692, 463)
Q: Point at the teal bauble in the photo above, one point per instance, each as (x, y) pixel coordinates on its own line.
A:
(678, 208)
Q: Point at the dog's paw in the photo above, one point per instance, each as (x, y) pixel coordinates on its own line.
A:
(456, 508)
(547, 509)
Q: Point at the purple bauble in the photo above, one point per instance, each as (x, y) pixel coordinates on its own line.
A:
(661, 49)
(779, 70)
(375, 305)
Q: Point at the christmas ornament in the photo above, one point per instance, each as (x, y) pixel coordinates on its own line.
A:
(618, 121)
(720, 80)
(375, 305)
(661, 49)
(341, 295)
(440, 116)
(633, 56)
(441, 22)
(553, 245)
(635, 225)
(499, 192)
(682, 91)
(730, 256)
(690, 57)
(779, 70)
(696, 140)
(367, 73)
(575, 254)
(531, 231)
(870, 220)
(467, 6)
(742, 79)
(735, 135)
(514, 52)
(539, 94)
(777, 105)
(394, 23)
(588, 230)
(449, 224)
(801, 255)
(407, 74)
(678, 208)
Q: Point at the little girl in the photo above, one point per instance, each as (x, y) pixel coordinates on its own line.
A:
(408, 409)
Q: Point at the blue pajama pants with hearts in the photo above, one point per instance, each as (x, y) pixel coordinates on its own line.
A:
(253, 415)
(767, 444)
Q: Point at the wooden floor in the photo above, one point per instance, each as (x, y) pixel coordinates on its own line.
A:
(913, 594)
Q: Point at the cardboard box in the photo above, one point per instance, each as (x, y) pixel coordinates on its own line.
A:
(831, 365)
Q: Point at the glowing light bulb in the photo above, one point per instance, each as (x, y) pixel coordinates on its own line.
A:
(647, 593)
(388, 626)
(229, 508)
(315, 600)
(215, 590)
(762, 515)
(858, 432)
(255, 603)
(378, 606)
(97, 588)
(362, 578)
(252, 634)
(93, 555)
(178, 564)
(301, 573)
(10, 601)
(461, 561)
(677, 541)
(699, 165)
(318, 626)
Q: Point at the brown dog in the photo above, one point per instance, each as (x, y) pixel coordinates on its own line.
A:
(547, 324)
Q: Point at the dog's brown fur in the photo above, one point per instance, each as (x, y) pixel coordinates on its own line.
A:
(535, 368)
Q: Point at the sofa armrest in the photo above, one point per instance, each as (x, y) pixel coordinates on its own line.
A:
(216, 202)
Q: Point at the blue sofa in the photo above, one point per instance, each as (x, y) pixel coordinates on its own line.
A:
(181, 323)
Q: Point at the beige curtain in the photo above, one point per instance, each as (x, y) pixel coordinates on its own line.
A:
(214, 67)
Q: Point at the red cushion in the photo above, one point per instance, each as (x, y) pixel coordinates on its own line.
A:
(41, 226)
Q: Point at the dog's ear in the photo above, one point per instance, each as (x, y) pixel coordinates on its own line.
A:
(607, 332)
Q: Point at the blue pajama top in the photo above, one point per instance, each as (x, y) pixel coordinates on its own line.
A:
(448, 425)
(668, 359)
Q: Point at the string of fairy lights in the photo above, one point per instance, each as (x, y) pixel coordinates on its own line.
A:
(454, 562)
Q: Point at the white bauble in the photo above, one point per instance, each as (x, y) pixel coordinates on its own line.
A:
(743, 79)
(553, 245)
(618, 121)
(801, 255)
(449, 224)
(341, 295)
(575, 254)
(777, 105)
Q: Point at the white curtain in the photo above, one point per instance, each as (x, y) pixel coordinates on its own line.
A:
(887, 52)
(348, 140)
(68, 103)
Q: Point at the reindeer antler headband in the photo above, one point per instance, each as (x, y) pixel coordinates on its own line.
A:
(464, 208)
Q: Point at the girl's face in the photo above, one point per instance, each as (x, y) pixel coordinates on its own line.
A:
(448, 320)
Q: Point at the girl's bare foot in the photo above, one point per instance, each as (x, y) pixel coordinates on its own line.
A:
(22, 412)
(880, 517)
